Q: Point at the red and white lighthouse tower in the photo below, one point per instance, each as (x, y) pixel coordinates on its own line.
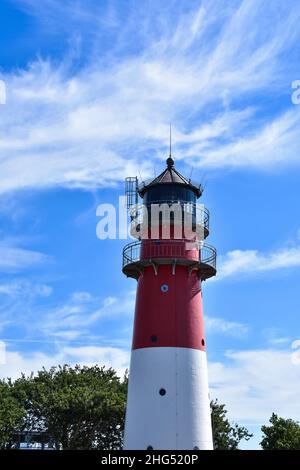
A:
(168, 404)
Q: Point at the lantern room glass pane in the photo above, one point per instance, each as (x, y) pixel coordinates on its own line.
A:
(169, 192)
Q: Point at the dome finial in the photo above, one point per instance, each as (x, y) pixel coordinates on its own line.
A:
(170, 161)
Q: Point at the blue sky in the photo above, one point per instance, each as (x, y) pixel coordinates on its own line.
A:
(91, 89)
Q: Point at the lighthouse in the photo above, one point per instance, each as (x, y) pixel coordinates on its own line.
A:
(168, 406)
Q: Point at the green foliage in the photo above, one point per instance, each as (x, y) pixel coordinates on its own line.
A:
(226, 436)
(12, 414)
(281, 434)
(80, 407)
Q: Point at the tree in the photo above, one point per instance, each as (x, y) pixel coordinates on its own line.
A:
(282, 434)
(12, 414)
(79, 408)
(226, 436)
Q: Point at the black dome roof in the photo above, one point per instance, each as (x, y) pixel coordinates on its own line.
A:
(170, 176)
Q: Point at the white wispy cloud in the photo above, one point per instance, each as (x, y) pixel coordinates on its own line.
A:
(276, 337)
(256, 383)
(25, 289)
(89, 127)
(78, 319)
(16, 362)
(18, 296)
(279, 341)
(14, 258)
(247, 262)
(221, 325)
(80, 313)
(266, 145)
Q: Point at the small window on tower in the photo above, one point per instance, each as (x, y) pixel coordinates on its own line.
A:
(162, 392)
